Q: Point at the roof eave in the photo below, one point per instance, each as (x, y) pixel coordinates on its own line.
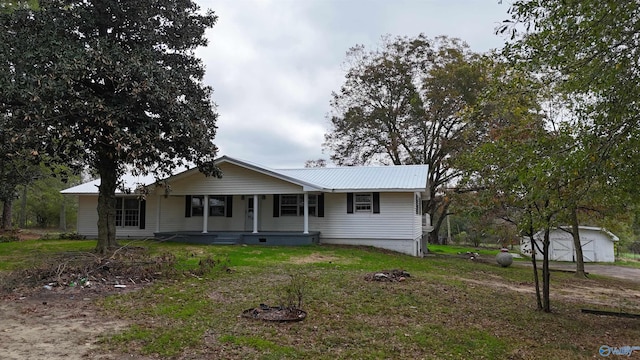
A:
(398, 190)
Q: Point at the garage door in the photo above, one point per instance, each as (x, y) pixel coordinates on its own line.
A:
(561, 250)
(588, 250)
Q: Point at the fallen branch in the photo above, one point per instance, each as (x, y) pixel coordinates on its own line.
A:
(611, 313)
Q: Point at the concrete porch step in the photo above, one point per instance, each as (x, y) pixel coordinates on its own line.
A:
(226, 240)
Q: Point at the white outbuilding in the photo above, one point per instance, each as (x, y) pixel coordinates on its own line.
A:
(597, 244)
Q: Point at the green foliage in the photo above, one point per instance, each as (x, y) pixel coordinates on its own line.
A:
(461, 237)
(9, 236)
(44, 203)
(293, 292)
(634, 247)
(110, 84)
(587, 52)
(71, 236)
(518, 171)
(402, 103)
(8, 6)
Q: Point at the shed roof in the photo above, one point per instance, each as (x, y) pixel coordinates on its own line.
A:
(612, 236)
(330, 179)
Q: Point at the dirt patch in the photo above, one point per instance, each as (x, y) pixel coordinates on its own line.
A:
(278, 313)
(616, 296)
(314, 258)
(48, 311)
(17, 235)
(614, 271)
(45, 327)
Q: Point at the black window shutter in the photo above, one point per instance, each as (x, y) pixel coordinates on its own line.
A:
(143, 213)
(321, 205)
(276, 205)
(187, 206)
(229, 203)
(349, 203)
(376, 203)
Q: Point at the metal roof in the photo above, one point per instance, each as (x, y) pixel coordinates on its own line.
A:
(361, 178)
(129, 181)
(331, 179)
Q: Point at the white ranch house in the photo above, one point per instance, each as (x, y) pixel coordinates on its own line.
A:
(251, 204)
(597, 245)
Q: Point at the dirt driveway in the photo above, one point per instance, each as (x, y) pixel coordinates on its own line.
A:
(54, 328)
(614, 271)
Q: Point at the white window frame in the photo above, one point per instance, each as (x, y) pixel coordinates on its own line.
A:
(289, 204)
(213, 199)
(127, 217)
(197, 205)
(363, 202)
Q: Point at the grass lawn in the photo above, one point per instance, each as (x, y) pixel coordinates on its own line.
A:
(449, 307)
(628, 259)
(462, 249)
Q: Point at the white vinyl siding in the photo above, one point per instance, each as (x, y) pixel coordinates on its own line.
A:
(172, 216)
(395, 220)
(88, 219)
(235, 181)
(417, 219)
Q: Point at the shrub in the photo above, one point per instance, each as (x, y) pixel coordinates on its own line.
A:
(9, 236)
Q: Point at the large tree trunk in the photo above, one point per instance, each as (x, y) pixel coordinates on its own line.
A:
(437, 217)
(7, 206)
(575, 232)
(535, 270)
(107, 170)
(546, 274)
(23, 208)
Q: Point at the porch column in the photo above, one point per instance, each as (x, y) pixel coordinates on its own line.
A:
(306, 213)
(158, 199)
(205, 215)
(255, 214)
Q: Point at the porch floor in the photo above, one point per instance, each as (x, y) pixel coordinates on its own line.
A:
(240, 237)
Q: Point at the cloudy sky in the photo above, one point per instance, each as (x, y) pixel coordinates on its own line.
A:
(274, 63)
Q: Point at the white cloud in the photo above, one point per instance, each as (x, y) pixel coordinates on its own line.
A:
(274, 63)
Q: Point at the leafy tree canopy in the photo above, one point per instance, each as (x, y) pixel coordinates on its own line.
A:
(111, 84)
(590, 50)
(402, 103)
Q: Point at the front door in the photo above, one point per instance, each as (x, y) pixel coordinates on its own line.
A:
(248, 219)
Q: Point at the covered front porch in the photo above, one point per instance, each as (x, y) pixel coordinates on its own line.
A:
(274, 238)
